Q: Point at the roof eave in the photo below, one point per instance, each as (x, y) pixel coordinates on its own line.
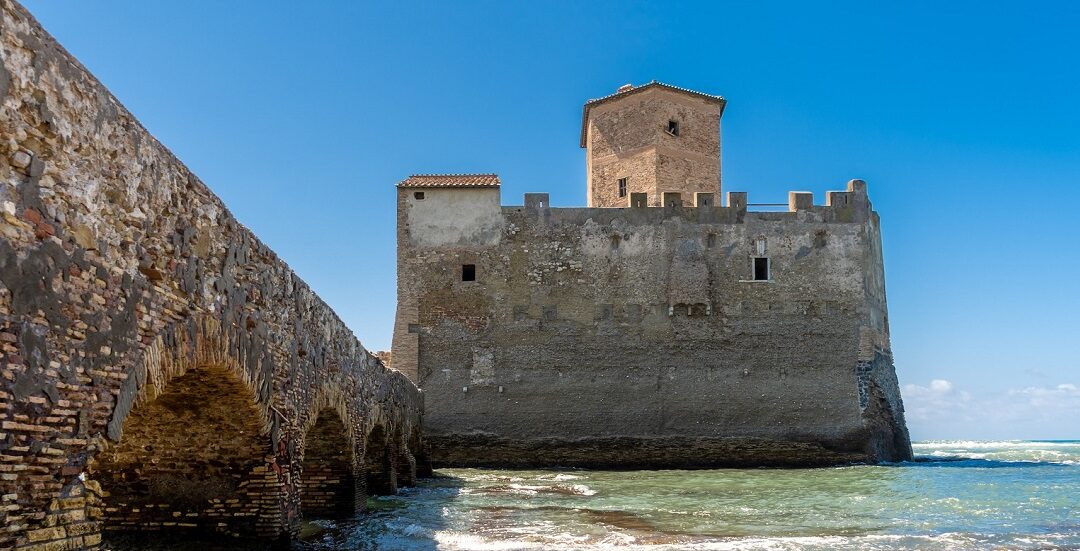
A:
(448, 181)
(403, 185)
(619, 95)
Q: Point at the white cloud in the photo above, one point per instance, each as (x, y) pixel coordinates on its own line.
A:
(1062, 398)
(938, 400)
(940, 385)
(942, 410)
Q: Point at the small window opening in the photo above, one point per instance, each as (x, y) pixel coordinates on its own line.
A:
(551, 313)
(761, 269)
(710, 241)
(418, 195)
(541, 204)
(468, 272)
(622, 187)
(673, 127)
(521, 313)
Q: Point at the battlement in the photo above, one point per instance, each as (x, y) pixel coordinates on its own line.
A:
(517, 320)
(466, 193)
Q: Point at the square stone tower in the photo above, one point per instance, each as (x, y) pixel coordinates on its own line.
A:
(652, 145)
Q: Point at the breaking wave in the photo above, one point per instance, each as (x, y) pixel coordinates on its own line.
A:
(1007, 495)
(1064, 452)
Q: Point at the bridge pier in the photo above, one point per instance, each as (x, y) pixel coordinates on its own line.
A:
(380, 475)
(328, 486)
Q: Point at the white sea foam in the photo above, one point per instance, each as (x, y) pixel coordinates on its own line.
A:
(954, 541)
(982, 444)
(563, 477)
(532, 489)
(1011, 493)
(583, 490)
(457, 540)
(1062, 452)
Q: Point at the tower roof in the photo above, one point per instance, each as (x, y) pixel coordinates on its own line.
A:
(451, 180)
(628, 90)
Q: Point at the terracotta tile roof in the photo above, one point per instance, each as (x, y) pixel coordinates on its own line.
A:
(628, 90)
(451, 180)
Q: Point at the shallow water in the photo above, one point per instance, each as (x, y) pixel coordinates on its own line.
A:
(958, 495)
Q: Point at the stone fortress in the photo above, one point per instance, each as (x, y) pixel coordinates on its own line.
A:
(162, 371)
(655, 327)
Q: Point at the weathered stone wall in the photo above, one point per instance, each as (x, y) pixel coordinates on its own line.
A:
(640, 170)
(147, 337)
(627, 137)
(636, 337)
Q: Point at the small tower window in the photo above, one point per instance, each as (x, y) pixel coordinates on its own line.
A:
(761, 269)
(418, 195)
(673, 127)
(468, 272)
(622, 187)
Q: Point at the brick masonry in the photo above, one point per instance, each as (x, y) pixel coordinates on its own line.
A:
(160, 367)
(626, 137)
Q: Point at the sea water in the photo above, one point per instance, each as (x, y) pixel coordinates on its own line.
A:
(956, 495)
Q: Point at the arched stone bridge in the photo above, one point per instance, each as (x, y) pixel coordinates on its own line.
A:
(161, 368)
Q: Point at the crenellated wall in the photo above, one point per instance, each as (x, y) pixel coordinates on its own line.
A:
(160, 367)
(639, 337)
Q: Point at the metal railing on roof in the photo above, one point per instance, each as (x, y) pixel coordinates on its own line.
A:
(767, 207)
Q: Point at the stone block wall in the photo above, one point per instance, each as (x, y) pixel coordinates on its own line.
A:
(123, 279)
(640, 119)
(640, 170)
(638, 337)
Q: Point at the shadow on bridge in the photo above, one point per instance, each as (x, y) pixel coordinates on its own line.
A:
(194, 459)
(194, 468)
(328, 486)
(381, 477)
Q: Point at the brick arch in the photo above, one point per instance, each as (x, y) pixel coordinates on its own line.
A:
(415, 445)
(192, 448)
(201, 342)
(380, 476)
(329, 458)
(404, 459)
(328, 486)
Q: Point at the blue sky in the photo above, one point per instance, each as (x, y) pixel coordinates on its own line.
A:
(964, 120)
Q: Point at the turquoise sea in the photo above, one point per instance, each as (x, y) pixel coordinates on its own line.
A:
(956, 495)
